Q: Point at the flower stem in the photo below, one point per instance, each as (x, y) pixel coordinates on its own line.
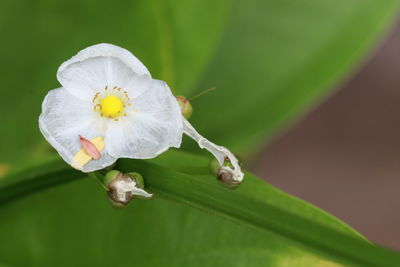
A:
(202, 93)
(99, 179)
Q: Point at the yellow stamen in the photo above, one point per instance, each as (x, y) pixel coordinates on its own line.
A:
(111, 106)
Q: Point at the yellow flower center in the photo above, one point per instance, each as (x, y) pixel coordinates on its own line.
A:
(112, 106)
(111, 102)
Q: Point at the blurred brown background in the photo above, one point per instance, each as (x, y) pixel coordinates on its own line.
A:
(345, 156)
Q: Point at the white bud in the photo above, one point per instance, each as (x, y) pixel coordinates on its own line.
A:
(221, 153)
(122, 188)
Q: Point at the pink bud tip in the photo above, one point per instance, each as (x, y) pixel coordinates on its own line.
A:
(89, 148)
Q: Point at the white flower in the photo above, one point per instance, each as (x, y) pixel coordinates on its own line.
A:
(108, 94)
(109, 107)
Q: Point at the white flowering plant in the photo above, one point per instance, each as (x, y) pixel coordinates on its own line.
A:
(127, 126)
(110, 107)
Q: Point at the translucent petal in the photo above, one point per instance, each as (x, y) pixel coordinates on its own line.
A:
(122, 187)
(140, 192)
(63, 119)
(137, 85)
(220, 153)
(94, 67)
(152, 125)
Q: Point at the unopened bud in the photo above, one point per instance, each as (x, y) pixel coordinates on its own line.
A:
(122, 188)
(214, 166)
(137, 178)
(225, 158)
(225, 176)
(110, 176)
(185, 105)
(224, 173)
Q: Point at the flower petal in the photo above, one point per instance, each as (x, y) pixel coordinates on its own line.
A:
(99, 65)
(152, 125)
(220, 153)
(63, 119)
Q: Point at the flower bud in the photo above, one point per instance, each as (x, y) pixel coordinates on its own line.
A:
(225, 176)
(224, 157)
(110, 176)
(137, 178)
(224, 173)
(122, 188)
(185, 105)
(214, 166)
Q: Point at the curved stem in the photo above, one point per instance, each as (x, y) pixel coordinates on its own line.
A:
(220, 153)
(99, 179)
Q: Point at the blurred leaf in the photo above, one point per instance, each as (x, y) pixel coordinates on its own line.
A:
(3, 169)
(277, 58)
(268, 59)
(173, 39)
(74, 225)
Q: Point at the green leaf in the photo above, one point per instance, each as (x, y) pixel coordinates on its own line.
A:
(257, 225)
(277, 58)
(268, 59)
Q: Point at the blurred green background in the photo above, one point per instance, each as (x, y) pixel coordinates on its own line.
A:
(344, 155)
(271, 61)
